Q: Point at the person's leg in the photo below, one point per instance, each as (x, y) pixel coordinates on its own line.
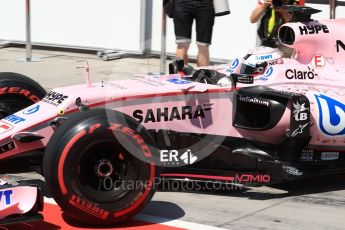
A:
(203, 58)
(182, 52)
(204, 28)
(183, 21)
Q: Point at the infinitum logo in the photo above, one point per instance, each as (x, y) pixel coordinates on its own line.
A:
(253, 100)
(173, 157)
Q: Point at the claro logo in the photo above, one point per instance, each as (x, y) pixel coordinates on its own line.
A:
(299, 74)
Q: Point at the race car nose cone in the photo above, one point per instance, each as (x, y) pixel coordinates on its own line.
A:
(104, 168)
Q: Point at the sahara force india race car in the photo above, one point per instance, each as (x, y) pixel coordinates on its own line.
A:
(264, 119)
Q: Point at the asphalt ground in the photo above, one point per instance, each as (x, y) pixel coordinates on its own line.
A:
(317, 203)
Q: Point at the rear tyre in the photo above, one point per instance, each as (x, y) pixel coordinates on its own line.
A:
(91, 171)
(18, 92)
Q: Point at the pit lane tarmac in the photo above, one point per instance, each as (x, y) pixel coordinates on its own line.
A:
(317, 203)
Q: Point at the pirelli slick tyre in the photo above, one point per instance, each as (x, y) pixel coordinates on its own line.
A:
(91, 169)
(17, 92)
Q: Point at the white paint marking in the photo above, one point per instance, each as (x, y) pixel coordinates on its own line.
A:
(174, 223)
(49, 200)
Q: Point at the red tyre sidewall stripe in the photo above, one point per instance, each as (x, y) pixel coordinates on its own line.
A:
(142, 198)
(63, 158)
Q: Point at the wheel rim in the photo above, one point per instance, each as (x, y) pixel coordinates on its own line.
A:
(104, 168)
(105, 171)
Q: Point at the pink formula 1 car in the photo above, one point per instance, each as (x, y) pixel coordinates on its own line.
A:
(263, 119)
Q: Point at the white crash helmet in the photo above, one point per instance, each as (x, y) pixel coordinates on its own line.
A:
(259, 58)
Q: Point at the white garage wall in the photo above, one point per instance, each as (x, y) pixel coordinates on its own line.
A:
(12, 19)
(233, 34)
(84, 23)
(340, 11)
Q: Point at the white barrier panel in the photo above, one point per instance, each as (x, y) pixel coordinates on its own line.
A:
(78, 23)
(233, 34)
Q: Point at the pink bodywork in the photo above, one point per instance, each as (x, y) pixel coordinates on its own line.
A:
(17, 200)
(152, 92)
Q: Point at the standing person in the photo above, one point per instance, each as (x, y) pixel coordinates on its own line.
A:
(185, 12)
(271, 18)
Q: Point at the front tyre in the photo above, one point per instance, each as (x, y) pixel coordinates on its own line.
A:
(17, 92)
(91, 169)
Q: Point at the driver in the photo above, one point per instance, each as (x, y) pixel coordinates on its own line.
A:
(257, 59)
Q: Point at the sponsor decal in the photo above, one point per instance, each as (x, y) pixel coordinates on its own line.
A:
(292, 170)
(235, 63)
(287, 93)
(253, 100)
(151, 82)
(341, 45)
(54, 98)
(233, 66)
(299, 74)
(117, 86)
(173, 157)
(300, 116)
(4, 127)
(14, 119)
(171, 114)
(331, 115)
(245, 79)
(88, 207)
(313, 29)
(6, 197)
(20, 91)
(307, 155)
(318, 61)
(188, 157)
(179, 81)
(329, 156)
(264, 57)
(267, 74)
(299, 130)
(275, 62)
(250, 178)
(32, 110)
(299, 112)
(7, 147)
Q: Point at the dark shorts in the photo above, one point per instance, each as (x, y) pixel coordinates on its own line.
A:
(185, 11)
